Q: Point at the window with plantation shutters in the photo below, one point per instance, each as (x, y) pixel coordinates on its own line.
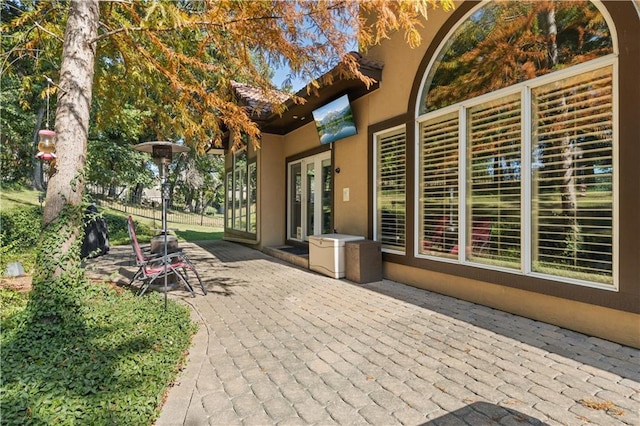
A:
(390, 172)
(516, 160)
(536, 179)
(438, 183)
(572, 186)
(493, 182)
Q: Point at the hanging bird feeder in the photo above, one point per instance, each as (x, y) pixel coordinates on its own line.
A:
(46, 137)
(46, 145)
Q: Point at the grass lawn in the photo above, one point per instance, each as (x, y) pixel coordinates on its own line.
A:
(111, 365)
(10, 199)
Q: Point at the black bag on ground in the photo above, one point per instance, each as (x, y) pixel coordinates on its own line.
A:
(96, 234)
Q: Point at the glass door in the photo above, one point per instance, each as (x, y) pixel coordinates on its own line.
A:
(309, 197)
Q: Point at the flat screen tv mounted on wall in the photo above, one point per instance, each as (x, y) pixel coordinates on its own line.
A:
(335, 120)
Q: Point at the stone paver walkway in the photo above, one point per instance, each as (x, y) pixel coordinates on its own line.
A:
(279, 345)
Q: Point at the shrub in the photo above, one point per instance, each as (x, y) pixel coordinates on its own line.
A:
(20, 228)
(118, 232)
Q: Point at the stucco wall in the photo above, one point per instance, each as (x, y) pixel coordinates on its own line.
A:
(300, 140)
(350, 155)
(271, 187)
(400, 66)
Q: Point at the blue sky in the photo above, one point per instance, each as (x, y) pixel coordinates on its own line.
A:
(281, 74)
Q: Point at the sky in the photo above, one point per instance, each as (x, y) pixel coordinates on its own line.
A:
(281, 74)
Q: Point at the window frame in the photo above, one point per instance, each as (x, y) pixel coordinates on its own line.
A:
(231, 211)
(399, 129)
(524, 89)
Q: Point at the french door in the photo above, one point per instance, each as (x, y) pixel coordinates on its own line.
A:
(309, 196)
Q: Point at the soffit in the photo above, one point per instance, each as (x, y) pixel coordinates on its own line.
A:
(297, 115)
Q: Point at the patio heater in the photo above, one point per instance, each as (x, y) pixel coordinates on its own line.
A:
(162, 154)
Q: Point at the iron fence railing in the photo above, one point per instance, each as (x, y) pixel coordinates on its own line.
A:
(154, 212)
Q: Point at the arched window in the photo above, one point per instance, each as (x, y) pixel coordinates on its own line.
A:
(517, 143)
(507, 42)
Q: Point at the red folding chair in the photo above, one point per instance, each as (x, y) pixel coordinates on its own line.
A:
(151, 267)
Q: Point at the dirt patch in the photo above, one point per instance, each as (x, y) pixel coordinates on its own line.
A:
(21, 283)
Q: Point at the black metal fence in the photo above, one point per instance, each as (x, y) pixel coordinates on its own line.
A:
(154, 212)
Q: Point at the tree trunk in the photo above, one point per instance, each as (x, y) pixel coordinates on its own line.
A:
(135, 194)
(173, 178)
(552, 36)
(58, 278)
(189, 195)
(74, 106)
(112, 190)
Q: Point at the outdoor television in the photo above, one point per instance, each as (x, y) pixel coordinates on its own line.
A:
(335, 120)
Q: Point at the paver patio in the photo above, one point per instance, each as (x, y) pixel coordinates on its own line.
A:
(280, 345)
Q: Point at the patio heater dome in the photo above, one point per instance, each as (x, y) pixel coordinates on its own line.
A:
(161, 151)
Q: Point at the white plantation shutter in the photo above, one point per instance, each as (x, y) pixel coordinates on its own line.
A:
(566, 229)
(438, 182)
(391, 189)
(494, 176)
(572, 150)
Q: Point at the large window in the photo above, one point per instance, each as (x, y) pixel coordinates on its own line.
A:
(390, 188)
(241, 183)
(518, 166)
(438, 183)
(504, 43)
(573, 168)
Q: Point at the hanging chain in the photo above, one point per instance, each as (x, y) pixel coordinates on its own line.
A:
(48, 90)
(47, 123)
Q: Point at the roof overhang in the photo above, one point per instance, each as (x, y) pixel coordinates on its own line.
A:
(297, 115)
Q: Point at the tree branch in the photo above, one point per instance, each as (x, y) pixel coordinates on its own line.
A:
(48, 32)
(108, 34)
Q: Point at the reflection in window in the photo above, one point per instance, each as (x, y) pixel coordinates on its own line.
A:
(573, 176)
(240, 191)
(438, 180)
(253, 198)
(390, 196)
(508, 42)
(242, 194)
(493, 182)
(229, 201)
(533, 165)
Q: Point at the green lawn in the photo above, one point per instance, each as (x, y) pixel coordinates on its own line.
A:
(10, 199)
(111, 365)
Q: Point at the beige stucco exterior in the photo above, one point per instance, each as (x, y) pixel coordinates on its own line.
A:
(271, 199)
(400, 60)
(611, 324)
(350, 156)
(611, 315)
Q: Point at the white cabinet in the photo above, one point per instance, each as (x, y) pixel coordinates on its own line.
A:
(326, 253)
